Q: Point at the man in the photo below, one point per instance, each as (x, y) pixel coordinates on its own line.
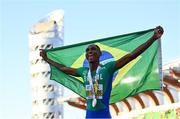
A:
(98, 78)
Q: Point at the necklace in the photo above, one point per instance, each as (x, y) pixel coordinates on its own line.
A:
(94, 87)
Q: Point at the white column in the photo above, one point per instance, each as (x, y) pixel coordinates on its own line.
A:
(45, 34)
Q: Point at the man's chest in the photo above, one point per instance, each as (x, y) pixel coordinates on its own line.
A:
(98, 84)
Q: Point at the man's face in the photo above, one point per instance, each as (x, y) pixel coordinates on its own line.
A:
(92, 53)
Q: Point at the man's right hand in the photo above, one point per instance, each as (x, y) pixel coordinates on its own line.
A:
(43, 54)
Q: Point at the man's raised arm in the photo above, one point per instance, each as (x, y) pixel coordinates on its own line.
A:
(67, 70)
(158, 31)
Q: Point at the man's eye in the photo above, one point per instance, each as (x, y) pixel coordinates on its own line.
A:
(87, 50)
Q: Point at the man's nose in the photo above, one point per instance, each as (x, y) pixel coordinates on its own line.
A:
(90, 51)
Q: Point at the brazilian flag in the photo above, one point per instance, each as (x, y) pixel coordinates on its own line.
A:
(138, 75)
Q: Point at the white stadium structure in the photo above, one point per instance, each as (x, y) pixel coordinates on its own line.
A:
(45, 34)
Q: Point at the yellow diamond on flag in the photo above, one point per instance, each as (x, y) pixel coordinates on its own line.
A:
(116, 54)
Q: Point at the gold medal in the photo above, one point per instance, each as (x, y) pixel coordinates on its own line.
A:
(95, 88)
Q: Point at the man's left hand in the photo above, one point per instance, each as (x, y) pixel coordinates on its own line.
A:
(158, 31)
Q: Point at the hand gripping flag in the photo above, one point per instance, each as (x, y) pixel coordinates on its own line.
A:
(141, 74)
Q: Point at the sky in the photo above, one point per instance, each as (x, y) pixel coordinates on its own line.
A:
(84, 20)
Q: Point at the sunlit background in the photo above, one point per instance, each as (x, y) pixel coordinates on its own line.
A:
(83, 21)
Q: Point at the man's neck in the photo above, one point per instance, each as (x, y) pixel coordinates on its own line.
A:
(93, 66)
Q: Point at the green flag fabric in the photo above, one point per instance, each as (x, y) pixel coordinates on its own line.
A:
(138, 75)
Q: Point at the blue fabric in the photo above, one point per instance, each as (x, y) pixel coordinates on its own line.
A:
(98, 114)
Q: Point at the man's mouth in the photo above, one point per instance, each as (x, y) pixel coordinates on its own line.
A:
(90, 56)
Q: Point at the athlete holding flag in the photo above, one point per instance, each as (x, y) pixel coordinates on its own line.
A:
(98, 78)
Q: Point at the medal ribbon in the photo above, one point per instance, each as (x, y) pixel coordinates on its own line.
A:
(90, 79)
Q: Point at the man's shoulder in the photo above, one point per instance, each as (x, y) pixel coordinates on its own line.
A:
(108, 63)
(82, 70)
(110, 66)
